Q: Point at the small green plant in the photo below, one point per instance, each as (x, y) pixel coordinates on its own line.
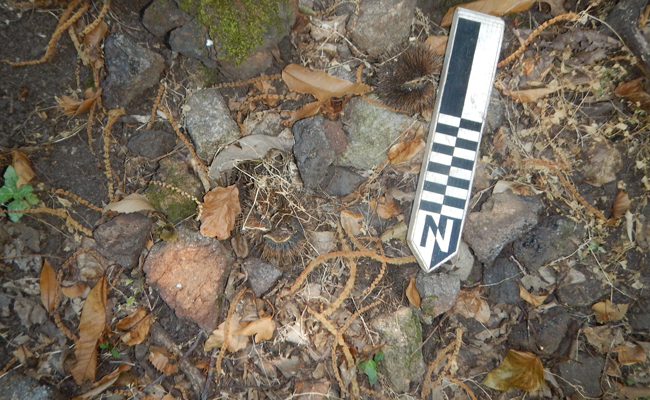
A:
(107, 346)
(370, 367)
(21, 198)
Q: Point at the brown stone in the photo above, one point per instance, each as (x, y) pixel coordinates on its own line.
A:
(189, 273)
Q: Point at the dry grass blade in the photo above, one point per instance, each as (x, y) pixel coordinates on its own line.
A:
(91, 328)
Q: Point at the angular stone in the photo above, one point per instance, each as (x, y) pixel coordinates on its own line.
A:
(401, 333)
(541, 334)
(189, 273)
(503, 218)
(578, 286)
(151, 143)
(381, 24)
(162, 16)
(342, 181)
(261, 275)
(122, 239)
(438, 293)
(639, 314)
(502, 280)
(208, 122)
(313, 150)
(189, 40)
(371, 131)
(15, 385)
(584, 372)
(132, 69)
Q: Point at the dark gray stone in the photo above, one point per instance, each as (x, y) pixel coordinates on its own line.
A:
(15, 385)
(162, 16)
(503, 275)
(545, 334)
(318, 142)
(190, 40)
(132, 69)
(639, 314)
(585, 373)
(343, 181)
(151, 143)
(381, 24)
(552, 239)
(122, 239)
(262, 276)
(438, 293)
(579, 287)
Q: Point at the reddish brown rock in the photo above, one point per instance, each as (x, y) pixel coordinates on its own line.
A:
(189, 273)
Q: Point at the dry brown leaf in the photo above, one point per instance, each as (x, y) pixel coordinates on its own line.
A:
(220, 210)
(319, 83)
(24, 355)
(634, 92)
(262, 328)
(351, 222)
(71, 106)
(132, 203)
(606, 311)
(529, 95)
(24, 170)
(100, 386)
(137, 325)
(437, 44)
(49, 286)
(621, 205)
(469, 304)
(492, 7)
(68, 105)
(305, 111)
(630, 353)
(520, 369)
(237, 341)
(160, 359)
(75, 290)
(91, 328)
(413, 295)
(531, 299)
(385, 210)
(405, 151)
(95, 37)
(603, 337)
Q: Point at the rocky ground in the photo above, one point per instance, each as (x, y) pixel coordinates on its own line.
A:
(203, 228)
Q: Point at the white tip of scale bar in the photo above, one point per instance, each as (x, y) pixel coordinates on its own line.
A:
(447, 173)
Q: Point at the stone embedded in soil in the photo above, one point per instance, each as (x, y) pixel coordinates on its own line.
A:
(584, 372)
(132, 69)
(502, 280)
(438, 293)
(265, 123)
(542, 333)
(371, 130)
(152, 143)
(503, 218)
(553, 238)
(162, 16)
(602, 162)
(343, 181)
(189, 40)
(401, 333)
(638, 314)
(381, 24)
(579, 286)
(252, 67)
(15, 385)
(189, 274)
(262, 276)
(209, 123)
(318, 143)
(122, 239)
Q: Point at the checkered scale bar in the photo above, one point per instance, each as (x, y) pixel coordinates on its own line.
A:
(447, 173)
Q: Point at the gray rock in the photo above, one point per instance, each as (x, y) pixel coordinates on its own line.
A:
(371, 131)
(162, 16)
(502, 278)
(639, 314)
(252, 67)
(402, 334)
(381, 24)
(578, 286)
(261, 275)
(152, 143)
(343, 181)
(496, 114)
(438, 293)
(541, 335)
(553, 238)
(268, 124)
(190, 40)
(584, 373)
(122, 239)
(318, 143)
(132, 69)
(208, 122)
(503, 218)
(15, 385)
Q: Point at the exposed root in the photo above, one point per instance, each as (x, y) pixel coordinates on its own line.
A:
(446, 372)
(156, 105)
(247, 82)
(90, 27)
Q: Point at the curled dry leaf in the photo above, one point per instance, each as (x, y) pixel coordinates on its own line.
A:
(413, 295)
(75, 290)
(237, 341)
(630, 353)
(220, 210)
(385, 210)
(437, 44)
(24, 170)
(95, 37)
(469, 304)
(606, 311)
(71, 106)
(492, 7)
(262, 328)
(104, 383)
(137, 325)
(351, 222)
(634, 92)
(91, 328)
(621, 205)
(603, 337)
(319, 83)
(531, 299)
(49, 286)
(528, 95)
(405, 151)
(520, 369)
(160, 359)
(305, 111)
(132, 203)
